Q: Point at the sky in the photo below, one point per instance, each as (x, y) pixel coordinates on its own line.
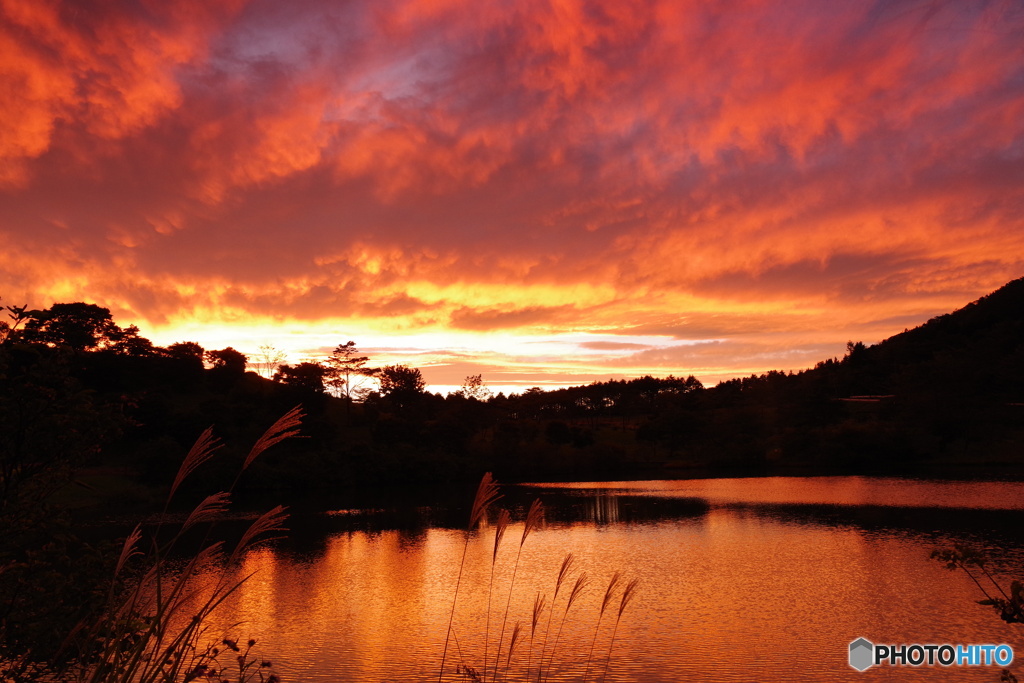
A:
(544, 192)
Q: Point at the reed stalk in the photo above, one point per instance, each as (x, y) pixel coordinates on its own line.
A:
(608, 593)
(582, 581)
(492, 671)
(538, 609)
(500, 526)
(486, 495)
(563, 573)
(513, 641)
(533, 518)
(144, 636)
(627, 596)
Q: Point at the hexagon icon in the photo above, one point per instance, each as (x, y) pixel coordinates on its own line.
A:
(861, 654)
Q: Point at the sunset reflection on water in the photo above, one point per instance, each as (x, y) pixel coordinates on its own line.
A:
(743, 589)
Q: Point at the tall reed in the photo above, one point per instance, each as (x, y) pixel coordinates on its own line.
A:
(486, 495)
(608, 593)
(500, 526)
(563, 573)
(500, 665)
(582, 581)
(538, 609)
(152, 630)
(516, 631)
(627, 596)
(533, 518)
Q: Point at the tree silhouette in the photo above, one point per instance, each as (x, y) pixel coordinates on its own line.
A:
(400, 379)
(267, 360)
(128, 342)
(18, 315)
(473, 387)
(307, 375)
(227, 360)
(78, 326)
(345, 366)
(186, 350)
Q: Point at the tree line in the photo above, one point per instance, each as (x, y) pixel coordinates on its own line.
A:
(948, 392)
(81, 327)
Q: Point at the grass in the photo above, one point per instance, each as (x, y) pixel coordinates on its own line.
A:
(551, 662)
(154, 628)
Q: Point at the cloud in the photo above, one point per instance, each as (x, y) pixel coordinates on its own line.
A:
(703, 171)
(491, 319)
(72, 71)
(613, 346)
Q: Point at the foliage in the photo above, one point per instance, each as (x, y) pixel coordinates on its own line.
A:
(153, 626)
(309, 376)
(79, 326)
(17, 316)
(128, 342)
(1008, 604)
(473, 387)
(947, 392)
(50, 581)
(186, 350)
(400, 379)
(49, 425)
(227, 360)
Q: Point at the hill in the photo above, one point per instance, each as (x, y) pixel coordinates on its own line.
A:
(977, 351)
(949, 393)
(944, 398)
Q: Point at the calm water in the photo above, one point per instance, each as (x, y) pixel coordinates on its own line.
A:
(740, 580)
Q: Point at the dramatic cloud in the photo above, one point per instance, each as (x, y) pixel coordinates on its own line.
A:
(732, 187)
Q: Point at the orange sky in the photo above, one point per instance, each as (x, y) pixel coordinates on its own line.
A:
(542, 191)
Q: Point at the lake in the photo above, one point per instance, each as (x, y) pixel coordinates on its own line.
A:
(761, 579)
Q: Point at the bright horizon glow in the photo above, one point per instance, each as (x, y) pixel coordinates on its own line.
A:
(544, 193)
(510, 364)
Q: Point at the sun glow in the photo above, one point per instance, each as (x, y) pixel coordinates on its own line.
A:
(523, 189)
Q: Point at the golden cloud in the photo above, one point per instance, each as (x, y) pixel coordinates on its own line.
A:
(536, 167)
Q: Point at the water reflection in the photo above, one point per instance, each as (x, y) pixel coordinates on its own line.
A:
(598, 506)
(740, 580)
(859, 491)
